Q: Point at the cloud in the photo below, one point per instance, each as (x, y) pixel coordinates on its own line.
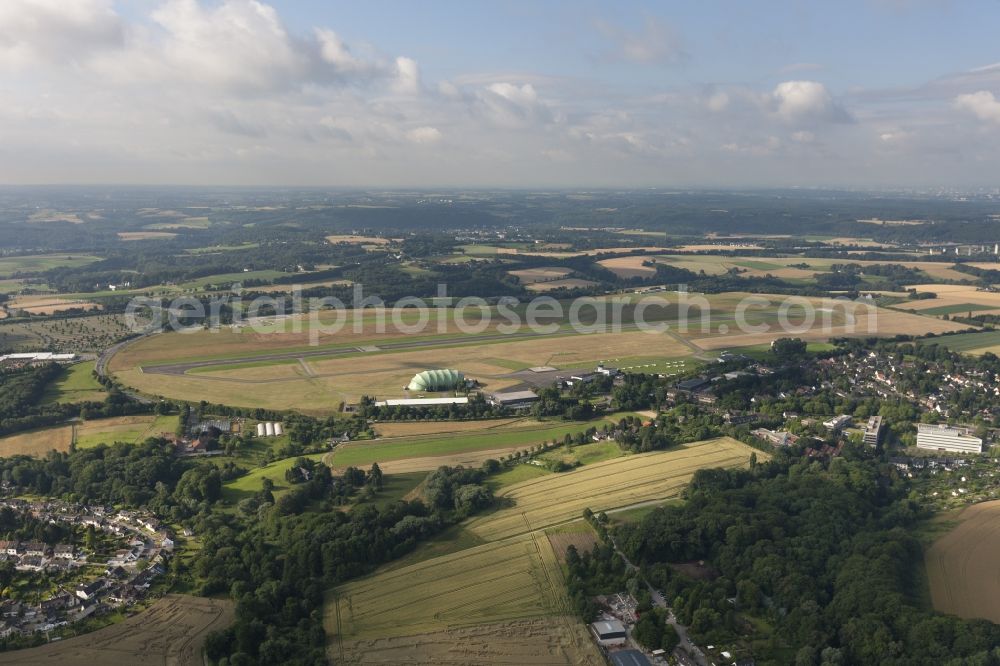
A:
(56, 31)
(510, 105)
(983, 104)
(424, 135)
(808, 102)
(407, 76)
(656, 42)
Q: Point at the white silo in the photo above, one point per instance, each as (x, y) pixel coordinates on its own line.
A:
(260, 429)
(278, 429)
(269, 429)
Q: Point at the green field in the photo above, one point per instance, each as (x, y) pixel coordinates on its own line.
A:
(361, 453)
(968, 342)
(958, 308)
(43, 262)
(129, 430)
(251, 483)
(77, 384)
(584, 454)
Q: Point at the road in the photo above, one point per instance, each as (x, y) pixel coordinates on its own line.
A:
(686, 644)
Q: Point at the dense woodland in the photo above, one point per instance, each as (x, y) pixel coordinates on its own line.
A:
(806, 562)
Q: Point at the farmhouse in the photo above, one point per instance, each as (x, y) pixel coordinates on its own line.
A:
(947, 438)
(609, 632)
(514, 399)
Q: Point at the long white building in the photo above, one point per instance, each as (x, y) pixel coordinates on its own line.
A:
(947, 438)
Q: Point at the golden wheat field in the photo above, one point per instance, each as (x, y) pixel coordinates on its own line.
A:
(962, 565)
(551, 500)
(503, 580)
(542, 641)
(171, 632)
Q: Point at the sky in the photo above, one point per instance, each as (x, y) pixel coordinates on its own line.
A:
(771, 93)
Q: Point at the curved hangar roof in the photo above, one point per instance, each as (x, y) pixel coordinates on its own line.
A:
(436, 380)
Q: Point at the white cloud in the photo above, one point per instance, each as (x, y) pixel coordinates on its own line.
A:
(424, 135)
(983, 104)
(806, 102)
(33, 31)
(407, 76)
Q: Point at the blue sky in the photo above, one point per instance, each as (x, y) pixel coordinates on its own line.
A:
(771, 93)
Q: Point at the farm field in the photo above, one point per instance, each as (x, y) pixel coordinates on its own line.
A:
(42, 262)
(482, 602)
(560, 498)
(961, 565)
(357, 240)
(251, 483)
(126, 429)
(516, 578)
(578, 534)
(77, 384)
(86, 434)
(37, 442)
(781, 267)
(46, 305)
(418, 428)
(540, 274)
(972, 343)
(953, 299)
(518, 435)
(542, 641)
(171, 632)
(569, 283)
(145, 235)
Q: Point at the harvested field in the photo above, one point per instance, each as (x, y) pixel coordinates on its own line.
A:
(494, 582)
(583, 539)
(171, 632)
(961, 565)
(559, 498)
(126, 429)
(46, 305)
(541, 274)
(549, 641)
(883, 323)
(629, 267)
(356, 240)
(953, 299)
(569, 283)
(37, 442)
(145, 235)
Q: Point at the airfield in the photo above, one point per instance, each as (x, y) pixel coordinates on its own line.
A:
(292, 363)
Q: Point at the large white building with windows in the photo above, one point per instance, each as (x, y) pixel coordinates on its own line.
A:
(947, 438)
